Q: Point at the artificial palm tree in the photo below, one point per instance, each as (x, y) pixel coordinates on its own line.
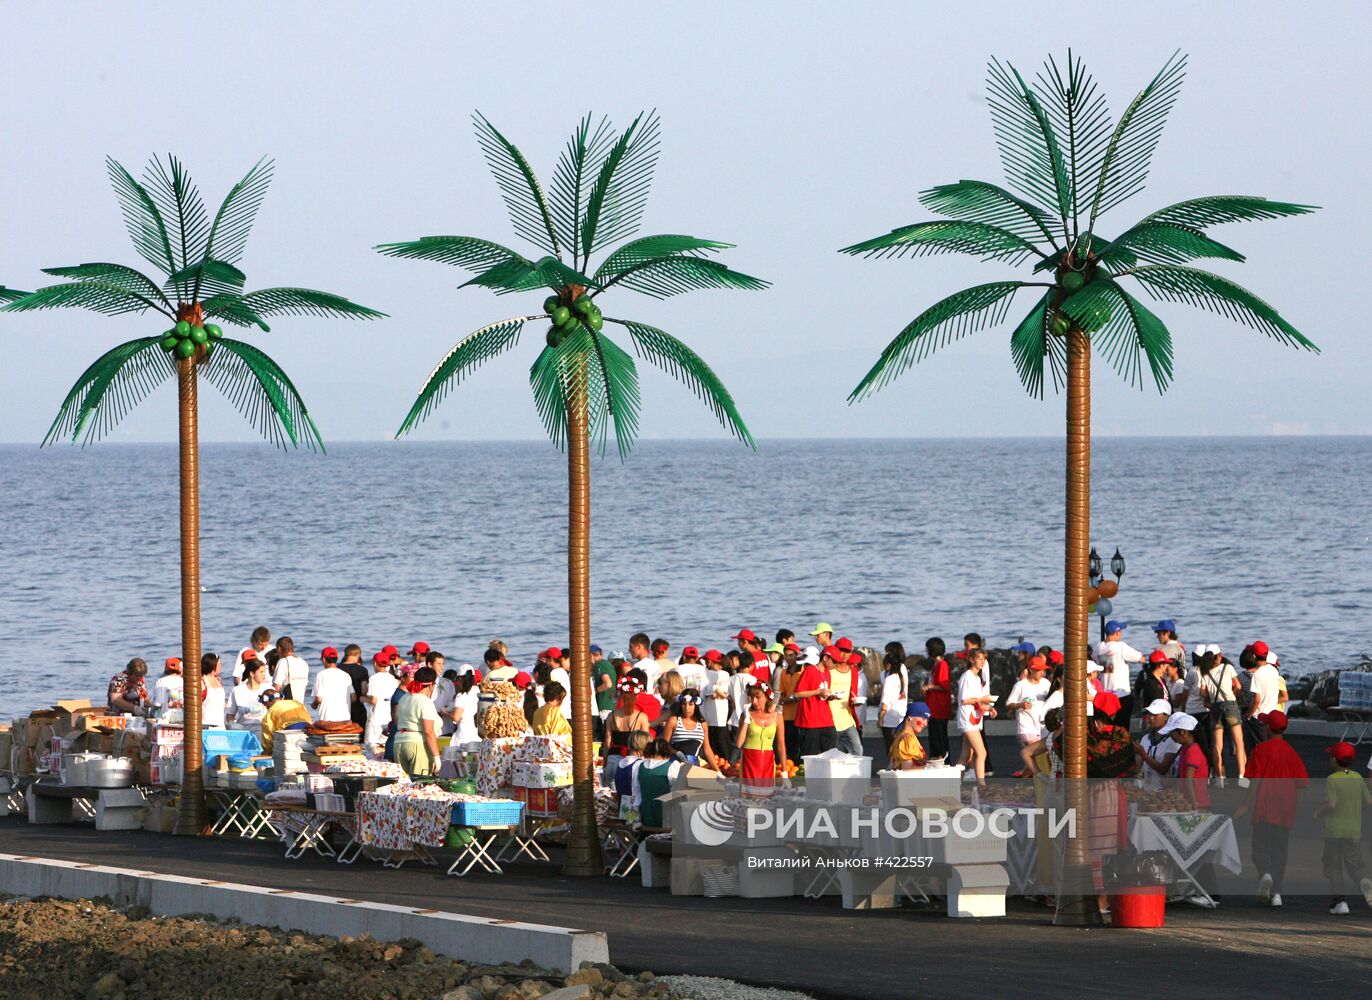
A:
(1068, 165)
(199, 280)
(10, 294)
(582, 380)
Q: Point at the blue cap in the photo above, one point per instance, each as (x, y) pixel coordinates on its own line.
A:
(1166, 625)
(1115, 626)
(596, 649)
(1024, 647)
(917, 710)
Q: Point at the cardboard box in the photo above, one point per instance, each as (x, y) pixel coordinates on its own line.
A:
(159, 819)
(542, 802)
(77, 741)
(168, 736)
(67, 710)
(6, 745)
(39, 721)
(102, 720)
(19, 732)
(544, 775)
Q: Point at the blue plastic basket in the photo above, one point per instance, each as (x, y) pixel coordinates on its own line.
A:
(229, 743)
(500, 812)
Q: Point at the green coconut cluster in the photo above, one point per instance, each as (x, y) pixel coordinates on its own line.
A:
(183, 339)
(566, 319)
(1071, 281)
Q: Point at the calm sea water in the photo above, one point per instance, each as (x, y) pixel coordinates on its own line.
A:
(456, 544)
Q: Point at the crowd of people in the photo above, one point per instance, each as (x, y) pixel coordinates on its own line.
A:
(760, 707)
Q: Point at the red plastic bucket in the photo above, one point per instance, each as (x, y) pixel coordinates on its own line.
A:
(1141, 906)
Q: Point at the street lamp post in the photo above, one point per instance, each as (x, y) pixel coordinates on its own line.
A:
(1097, 572)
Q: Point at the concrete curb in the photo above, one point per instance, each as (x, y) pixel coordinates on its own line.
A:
(469, 939)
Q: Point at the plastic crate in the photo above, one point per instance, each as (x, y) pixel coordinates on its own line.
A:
(500, 812)
(229, 743)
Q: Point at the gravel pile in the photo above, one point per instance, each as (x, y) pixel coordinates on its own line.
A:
(706, 988)
(54, 949)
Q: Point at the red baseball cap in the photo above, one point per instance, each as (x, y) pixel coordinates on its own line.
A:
(1107, 703)
(522, 680)
(175, 661)
(1275, 720)
(833, 652)
(854, 659)
(745, 633)
(690, 651)
(390, 651)
(713, 656)
(476, 676)
(328, 653)
(1342, 751)
(1158, 656)
(381, 659)
(553, 652)
(845, 644)
(1038, 663)
(1056, 658)
(1260, 649)
(792, 645)
(418, 649)
(250, 656)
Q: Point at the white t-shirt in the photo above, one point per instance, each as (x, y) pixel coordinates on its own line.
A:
(715, 711)
(294, 671)
(245, 709)
(1265, 684)
(1177, 690)
(565, 679)
(380, 686)
(165, 690)
(466, 726)
(971, 685)
(1114, 656)
(1152, 780)
(1029, 724)
(212, 708)
(893, 701)
(693, 675)
(738, 692)
(1195, 693)
(238, 664)
(334, 689)
(650, 668)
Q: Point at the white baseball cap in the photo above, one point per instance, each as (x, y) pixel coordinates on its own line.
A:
(810, 658)
(1158, 706)
(1179, 721)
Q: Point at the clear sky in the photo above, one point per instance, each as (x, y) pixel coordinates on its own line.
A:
(790, 129)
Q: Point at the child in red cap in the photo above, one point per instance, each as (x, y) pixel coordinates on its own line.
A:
(1275, 771)
(1345, 795)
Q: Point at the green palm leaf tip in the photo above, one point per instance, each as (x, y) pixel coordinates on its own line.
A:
(1030, 153)
(469, 354)
(234, 221)
(1124, 331)
(97, 296)
(577, 168)
(145, 224)
(519, 187)
(11, 294)
(1218, 295)
(305, 302)
(466, 252)
(231, 309)
(1163, 243)
(208, 278)
(179, 203)
(687, 367)
(978, 201)
(1031, 343)
(1218, 209)
(591, 363)
(1124, 167)
(620, 192)
(117, 275)
(923, 238)
(1080, 119)
(113, 384)
(262, 392)
(961, 313)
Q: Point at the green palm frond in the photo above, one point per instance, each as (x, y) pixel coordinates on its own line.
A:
(208, 278)
(97, 296)
(262, 393)
(182, 209)
(1217, 295)
(10, 294)
(663, 277)
(579, 163)
(529, 213)
(979, 201)
(620, 192)
(550, 392)
(113, 385)
(647, 248)
(467, 252)
(687, 367)
(1124, 332)
(470, 353)
(231, 308)
(1124, 168)
(234, 221)
(513, 276)
(961, 313)
(1080, 118)
(1030, 153)
(1218, 209)
(113, 274)
(617, 394)
(144, 222)
(305, 302)
(923, 238)
(1163, 243)
(588, 364)
(1032, 342)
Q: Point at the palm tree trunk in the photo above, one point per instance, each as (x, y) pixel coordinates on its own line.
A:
(191, 816)
(1077, 898)
(583, 841)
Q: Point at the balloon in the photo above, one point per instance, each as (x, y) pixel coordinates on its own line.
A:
(1092, 595)
(1108, 588)
(1091, 608)
(1104, 607)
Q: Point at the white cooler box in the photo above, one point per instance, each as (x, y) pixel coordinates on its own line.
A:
(835, 776)
(902, 789)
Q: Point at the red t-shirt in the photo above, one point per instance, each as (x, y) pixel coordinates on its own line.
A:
(940, 702)
(762, 669)
(813, 712)
(649, 706)
(1194, 757)
(1280, 771)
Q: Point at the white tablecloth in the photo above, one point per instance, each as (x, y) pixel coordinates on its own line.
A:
(1191, 839)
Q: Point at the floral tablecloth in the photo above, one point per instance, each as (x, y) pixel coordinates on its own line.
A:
(397, 817)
